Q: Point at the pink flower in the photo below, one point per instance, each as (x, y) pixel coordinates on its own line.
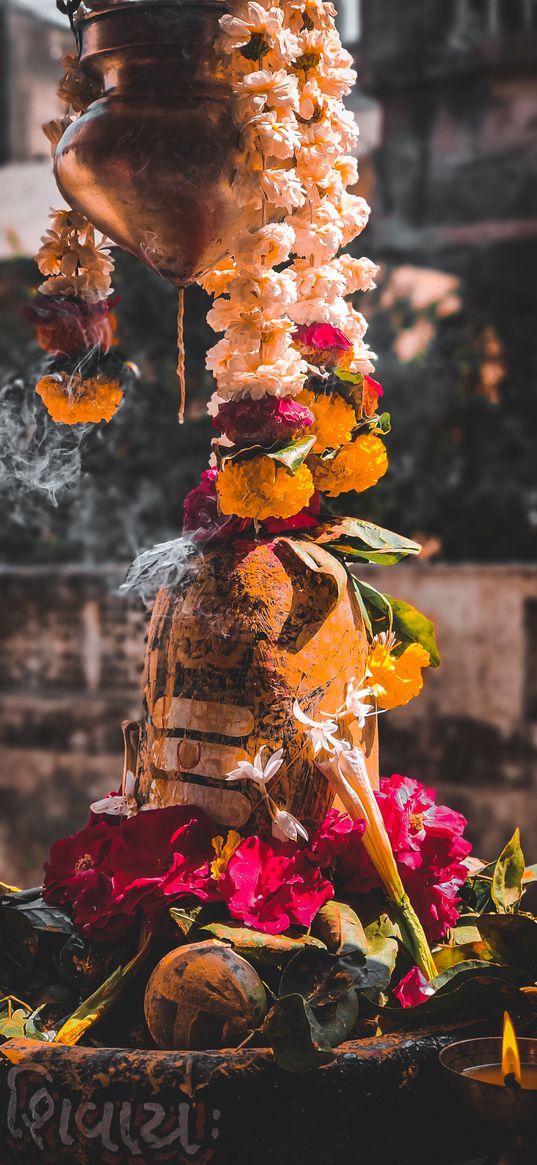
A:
(264, 421)
(273, 886)
(413, 989)
(201, 518)
(321, 338)
(336, 836)
(429, 849)
(160, 856)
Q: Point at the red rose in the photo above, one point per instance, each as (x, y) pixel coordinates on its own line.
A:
(321, 338)
(74, 860)
(307, 519)
(161, 855)
(69, 327)
(413, 989)
(264, 421)
(96, 912)
(336, 836)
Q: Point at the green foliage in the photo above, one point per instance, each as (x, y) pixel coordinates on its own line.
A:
(355, 538)
(506, 888)
(384, 613)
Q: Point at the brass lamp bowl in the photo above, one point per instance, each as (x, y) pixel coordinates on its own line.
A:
(511, 1112)
(150, 163)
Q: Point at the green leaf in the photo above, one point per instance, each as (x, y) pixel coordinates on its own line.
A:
(292, 456)
(271, 950)
(452, 956)
(383, 423)
(409, 625)
(511, 939)
(100, 1002)
(320, 977)
(296, 1037)
(340, 929)
(383, 945)
(476, 893)
(338, 1019)
(185, 919)
(356, 538)
(506, 886)
(350, 377)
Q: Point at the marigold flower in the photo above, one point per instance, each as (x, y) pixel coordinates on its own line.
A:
(358, 466)
(396, 679)
(74, 399)
(334, 421)
(260, 488)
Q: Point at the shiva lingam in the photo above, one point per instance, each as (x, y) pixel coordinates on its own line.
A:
(496, 1078)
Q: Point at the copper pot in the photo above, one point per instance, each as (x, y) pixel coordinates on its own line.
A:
(151, 161)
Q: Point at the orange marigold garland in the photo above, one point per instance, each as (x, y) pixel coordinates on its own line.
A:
(358, 466)
(260, 488)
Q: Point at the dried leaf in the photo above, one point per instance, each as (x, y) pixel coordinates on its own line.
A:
(100, 1002)
(270, 950)
(340, 929)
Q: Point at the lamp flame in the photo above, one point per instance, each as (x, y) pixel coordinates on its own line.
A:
(510, 1054)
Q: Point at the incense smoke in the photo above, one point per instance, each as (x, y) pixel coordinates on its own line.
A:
(37, 456)
(164, 565)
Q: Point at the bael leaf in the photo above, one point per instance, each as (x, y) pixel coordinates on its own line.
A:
(338, 1019)
(185, 919)
(320, 977)
(383, 946)
(511, 939)
(506, 889)
(292, 456)
(356, 538)
(340, 929)
(448, 957)
(476, 893)
(296, 1037)
(317, 559)
(383, 424)
(409, 624)
(271, 950)
(100, 1002)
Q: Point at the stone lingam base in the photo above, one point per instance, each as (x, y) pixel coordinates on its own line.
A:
(381, 1100)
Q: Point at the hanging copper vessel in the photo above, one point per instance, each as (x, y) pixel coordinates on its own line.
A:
(150, 162)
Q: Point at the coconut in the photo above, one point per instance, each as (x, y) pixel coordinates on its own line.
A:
(203, 996)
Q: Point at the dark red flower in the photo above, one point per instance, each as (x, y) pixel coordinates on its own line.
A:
(321, 338)
(161, 855)
(273, 886)
(97, 913)
(201, 518)
(264, 421)
(74, 860)
(413, 989)
(70, 327)
(429, 849)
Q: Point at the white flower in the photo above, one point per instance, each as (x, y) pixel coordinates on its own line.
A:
(249, 19)
(354, 702)
(282, 188)
(321, 732)
(256, 771)
(359, 274)
(285, 827)
(264, 247)
(256, 91)
(318, 232)
(274, 134)
(120, 805)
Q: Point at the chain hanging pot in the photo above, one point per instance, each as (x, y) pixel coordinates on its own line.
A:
(150, 162)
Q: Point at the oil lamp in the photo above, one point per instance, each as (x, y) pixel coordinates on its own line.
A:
(497, 1080)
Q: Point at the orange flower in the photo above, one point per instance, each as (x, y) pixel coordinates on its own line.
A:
(72, 399)
(260, 488)
(396, 679)
(334, 419)
(357, 466)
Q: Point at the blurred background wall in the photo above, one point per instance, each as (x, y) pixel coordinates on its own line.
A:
(447, 106)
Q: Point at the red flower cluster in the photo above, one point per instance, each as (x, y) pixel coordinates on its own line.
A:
(321, 338)
(429, 849)
(115, 868)
(264, 421)
(69, 327)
